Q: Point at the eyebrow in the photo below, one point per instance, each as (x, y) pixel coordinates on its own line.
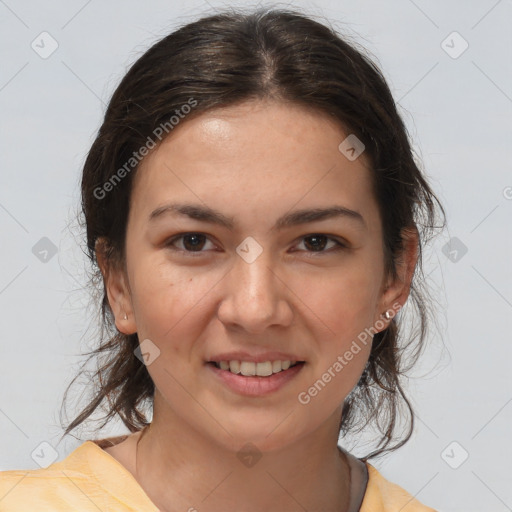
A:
(297, 217)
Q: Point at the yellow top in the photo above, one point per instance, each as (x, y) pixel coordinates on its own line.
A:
(91, 480)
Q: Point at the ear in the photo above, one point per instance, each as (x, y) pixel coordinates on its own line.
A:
(396, 291)
(116, 285)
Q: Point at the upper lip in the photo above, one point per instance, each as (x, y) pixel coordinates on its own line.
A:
(254, 358)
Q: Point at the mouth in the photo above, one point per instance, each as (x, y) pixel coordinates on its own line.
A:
(252, 369)
(255, 379)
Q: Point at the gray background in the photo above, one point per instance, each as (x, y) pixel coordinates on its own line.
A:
(458, 111)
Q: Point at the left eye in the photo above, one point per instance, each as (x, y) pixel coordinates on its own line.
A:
(319, 241)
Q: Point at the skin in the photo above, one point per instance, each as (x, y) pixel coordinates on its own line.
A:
(253, 162)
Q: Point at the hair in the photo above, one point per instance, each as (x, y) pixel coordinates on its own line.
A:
(226, 59)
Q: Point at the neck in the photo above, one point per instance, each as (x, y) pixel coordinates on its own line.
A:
(180, 469)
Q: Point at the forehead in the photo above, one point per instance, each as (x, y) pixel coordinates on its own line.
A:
(262, 156)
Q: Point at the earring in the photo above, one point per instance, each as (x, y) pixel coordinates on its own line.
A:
(387, 315)
(125, 317)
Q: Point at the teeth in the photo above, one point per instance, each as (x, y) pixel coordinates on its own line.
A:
(234, 366)
(277, 366)
(264, 369)
(248, 368)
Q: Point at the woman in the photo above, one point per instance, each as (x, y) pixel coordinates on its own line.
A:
(253, 205)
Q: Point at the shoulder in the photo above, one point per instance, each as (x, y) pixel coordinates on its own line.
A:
(88, 479)
(385, 496)
(36, 488)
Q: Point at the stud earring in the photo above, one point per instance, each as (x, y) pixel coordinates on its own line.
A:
(387, 315)
(125, 317)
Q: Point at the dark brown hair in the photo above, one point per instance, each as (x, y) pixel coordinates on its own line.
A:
(222, 60)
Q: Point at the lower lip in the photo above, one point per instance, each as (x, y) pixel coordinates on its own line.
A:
(254, 385)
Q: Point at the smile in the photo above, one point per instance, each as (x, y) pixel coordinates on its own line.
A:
(254, 384)
(249, 368)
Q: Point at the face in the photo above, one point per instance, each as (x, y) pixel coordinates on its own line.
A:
(229, 279)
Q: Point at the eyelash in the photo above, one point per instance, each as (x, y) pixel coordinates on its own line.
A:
(339, 245)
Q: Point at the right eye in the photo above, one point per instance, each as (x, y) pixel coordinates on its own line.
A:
(191, 243)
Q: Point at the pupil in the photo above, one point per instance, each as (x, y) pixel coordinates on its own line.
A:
(316, 238)
(195, 244)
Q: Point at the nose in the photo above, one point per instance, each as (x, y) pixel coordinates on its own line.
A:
(255, 297)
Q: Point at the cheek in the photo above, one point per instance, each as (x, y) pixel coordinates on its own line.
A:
(340, 310)
(169, 303)
(342, 302)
